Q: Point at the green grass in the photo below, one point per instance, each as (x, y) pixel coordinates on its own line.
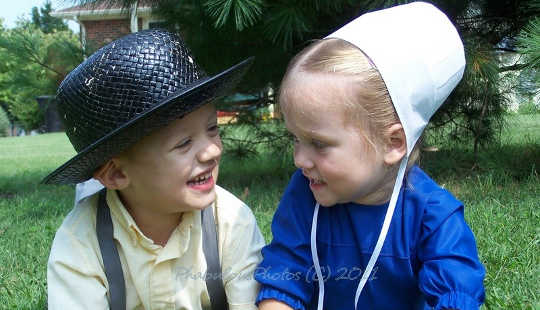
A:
(30, 213)
(501, 193)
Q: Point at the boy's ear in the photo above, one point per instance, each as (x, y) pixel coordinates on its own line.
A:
(396, 144)
(111, 175)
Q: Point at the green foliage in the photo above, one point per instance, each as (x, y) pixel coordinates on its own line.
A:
(474, 111)
(250, 135)
(42, 19)
(34, 64)
(4, 123)
(529, 43)
(246, 13)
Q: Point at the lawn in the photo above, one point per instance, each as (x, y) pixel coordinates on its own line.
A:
(501, 193)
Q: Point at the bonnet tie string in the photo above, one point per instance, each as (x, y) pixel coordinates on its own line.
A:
(316, 257)
(378, 245)
(384, 229)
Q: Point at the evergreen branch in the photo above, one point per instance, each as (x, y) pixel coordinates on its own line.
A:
(506, 49)
(29, 48)
(514, 67)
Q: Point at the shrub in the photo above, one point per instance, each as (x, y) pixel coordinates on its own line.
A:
(4, 123)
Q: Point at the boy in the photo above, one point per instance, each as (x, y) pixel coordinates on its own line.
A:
(139, 114)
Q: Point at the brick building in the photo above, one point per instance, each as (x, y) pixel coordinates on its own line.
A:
(101, 23)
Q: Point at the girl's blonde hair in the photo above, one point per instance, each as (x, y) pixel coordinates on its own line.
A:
(371, 108)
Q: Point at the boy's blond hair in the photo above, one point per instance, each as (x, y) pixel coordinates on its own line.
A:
(371, 108)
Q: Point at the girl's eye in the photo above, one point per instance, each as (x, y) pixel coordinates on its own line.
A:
(318, 144)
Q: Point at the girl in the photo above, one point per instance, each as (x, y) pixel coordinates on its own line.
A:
(359, 224)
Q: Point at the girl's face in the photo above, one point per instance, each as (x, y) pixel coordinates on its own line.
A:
(331, 150)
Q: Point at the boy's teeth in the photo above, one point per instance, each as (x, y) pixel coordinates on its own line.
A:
(202, 178)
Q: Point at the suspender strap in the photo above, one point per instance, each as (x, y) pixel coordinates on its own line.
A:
(214, 281)
(113, 267)
(109, 253)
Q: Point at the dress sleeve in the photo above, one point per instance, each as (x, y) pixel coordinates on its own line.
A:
(451, 275)
(285, 270)
(74, 280)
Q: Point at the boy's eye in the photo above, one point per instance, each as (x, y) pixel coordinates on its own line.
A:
(213, 128)
(183, 143)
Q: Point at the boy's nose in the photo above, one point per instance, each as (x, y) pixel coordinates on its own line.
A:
(211, 151)
(301, 160)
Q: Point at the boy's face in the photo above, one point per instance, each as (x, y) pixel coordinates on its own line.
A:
(175, 168)
(330, 150)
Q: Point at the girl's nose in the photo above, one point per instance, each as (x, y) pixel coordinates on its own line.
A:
(301, 158)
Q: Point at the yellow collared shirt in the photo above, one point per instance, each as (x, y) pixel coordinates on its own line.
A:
(156, 277)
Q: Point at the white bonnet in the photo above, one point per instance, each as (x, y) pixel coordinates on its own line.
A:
(419, 55)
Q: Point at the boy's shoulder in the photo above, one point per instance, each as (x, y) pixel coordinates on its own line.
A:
(81, 220)
(233, 209)
(77, 236)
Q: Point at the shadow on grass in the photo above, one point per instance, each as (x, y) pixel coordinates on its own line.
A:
(265, 168)
(21, 181)
(29, 199)
(516, 161)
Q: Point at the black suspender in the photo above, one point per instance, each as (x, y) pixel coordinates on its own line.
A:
(214, 281)
(109, 253)
(113, 267)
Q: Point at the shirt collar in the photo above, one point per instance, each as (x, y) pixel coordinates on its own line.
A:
(177, 243)
(119, 211)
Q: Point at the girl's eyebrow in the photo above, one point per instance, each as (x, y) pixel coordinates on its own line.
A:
(320, 137)
(308, 133)
(313, 135)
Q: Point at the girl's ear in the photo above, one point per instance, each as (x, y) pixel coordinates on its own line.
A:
(396, 144)
(111, 175)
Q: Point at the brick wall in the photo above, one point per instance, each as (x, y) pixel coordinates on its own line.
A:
(101, 32)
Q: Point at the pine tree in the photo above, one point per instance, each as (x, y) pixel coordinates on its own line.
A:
(42, 19)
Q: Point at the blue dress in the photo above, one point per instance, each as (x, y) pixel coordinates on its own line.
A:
(428, 261)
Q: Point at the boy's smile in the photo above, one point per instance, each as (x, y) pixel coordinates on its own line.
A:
(203, 182)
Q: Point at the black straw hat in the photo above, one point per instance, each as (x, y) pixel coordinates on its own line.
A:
(127, 89)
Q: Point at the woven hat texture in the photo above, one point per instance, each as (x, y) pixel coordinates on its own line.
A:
(127, 89)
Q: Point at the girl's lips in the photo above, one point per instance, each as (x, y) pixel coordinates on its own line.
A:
(316, 185)
(203, 186)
